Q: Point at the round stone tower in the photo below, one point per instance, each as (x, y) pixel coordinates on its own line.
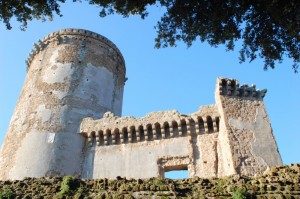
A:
(72, 74)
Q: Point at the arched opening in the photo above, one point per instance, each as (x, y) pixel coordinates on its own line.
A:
(192, 126)
(201, 125)
(125, 135)
(183, 127)
(133, 134)
(150, 133)
(92, 134)
(108, 137)
(167, 130)
(142, 134)
(158, 131)
(175, 129)
(117, 136)
(91, 138)
(101, 138)
(210, 125)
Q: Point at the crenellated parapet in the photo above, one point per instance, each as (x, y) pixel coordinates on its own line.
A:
(112, 130)
(231, 87)
(67, 35)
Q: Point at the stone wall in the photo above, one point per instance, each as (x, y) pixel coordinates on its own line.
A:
(277, 183)
(152, 145)
(232, 137)
(246, 128)
(72, 74)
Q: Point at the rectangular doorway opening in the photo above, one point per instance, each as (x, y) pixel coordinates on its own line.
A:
(176, 172)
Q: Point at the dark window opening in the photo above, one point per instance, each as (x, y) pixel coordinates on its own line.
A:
(210, 125)
(201, 126)
(158, 132)
(125, 135)
(192, 126)
(142, 134)
(101, 138)
(175, 129)
(109, 137)
(183, 128)
(133, 134)
(150, 133)
(167, 130)
(117, 137)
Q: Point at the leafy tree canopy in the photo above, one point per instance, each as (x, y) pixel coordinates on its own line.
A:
(269, 29)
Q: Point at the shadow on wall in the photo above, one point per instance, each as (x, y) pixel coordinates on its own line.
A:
(88, 161)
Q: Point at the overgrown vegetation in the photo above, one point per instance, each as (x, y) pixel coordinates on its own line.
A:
(281, 183)
(239, 193)
(6, 193)
(66, 187)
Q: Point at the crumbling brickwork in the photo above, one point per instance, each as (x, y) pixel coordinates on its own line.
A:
(76, 77)
(233, 136)
(71, 74)
(246, 126)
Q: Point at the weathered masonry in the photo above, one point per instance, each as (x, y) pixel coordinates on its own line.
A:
(72, 74)
(232, 136)
(76, 77)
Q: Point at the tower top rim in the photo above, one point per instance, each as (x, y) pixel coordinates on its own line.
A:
(72, 31)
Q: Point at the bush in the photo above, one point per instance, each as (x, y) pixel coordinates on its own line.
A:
(6, 193)
(65, 186)
(239, 193)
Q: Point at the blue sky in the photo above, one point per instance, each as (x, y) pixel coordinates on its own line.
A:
(178, 78)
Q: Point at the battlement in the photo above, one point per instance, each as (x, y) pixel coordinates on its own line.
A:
(64, 36)
(231, 87)
(112, 130)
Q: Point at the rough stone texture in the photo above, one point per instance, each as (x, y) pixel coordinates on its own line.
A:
(232, 137)
(72, 74)
(246, 128)
(150, 146)
(67, 122)
(277, 183)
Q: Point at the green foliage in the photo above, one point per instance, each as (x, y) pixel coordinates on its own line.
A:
(221, 184)
(66, 186)
(269, 29)
(239, 193)
(6, 192)
(158, 182)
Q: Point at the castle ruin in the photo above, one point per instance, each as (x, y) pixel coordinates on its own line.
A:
(68, 121)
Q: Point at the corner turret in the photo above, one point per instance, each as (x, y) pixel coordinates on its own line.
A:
(245, 129)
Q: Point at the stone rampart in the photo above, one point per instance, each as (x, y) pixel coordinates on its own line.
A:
(155, 126)
(151, 145)
(231, 137)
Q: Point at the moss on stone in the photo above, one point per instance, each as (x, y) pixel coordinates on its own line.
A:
(284, 185)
